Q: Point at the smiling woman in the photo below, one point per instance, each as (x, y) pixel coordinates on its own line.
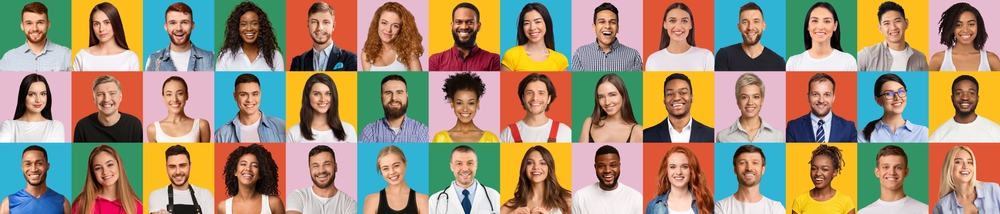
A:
(106, 186)
(251, 178)
(826, 163)
(397, 197)
(822, 39)
(33, 115)
(249, 37)
(178, 127)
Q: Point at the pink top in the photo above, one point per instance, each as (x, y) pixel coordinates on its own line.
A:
(105, 206)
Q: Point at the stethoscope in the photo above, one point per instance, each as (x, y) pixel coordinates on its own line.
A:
(445, 194)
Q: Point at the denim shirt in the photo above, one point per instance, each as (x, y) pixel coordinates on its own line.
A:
(659, 205)
(271, 130)
(987, 201)
(201, 60)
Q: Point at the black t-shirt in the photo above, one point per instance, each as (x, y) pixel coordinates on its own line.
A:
(127, 129)
(732, 58)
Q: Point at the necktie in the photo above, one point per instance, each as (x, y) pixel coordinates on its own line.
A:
(820, 134)
(466, 204)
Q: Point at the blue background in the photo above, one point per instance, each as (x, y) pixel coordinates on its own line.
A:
(772, 182)
(58, 176)
(558, 10)
(727, 16)
(272, 100)
(155, 37)
(369, 179)
(916, 97)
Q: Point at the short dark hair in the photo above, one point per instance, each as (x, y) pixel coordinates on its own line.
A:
(319, 7)
(320, 149)
(36, 148)
(892, 150)
(606, 149)
(749, 148)
(246, 78)
(178, 150)
(965, 77)
(396, 77)
(467, 5)
(606, 6)
(677, 76)
(946, 26)
(820, 77)
(551, 88)
(35, 7)
(751, 6)
(174, 78)
(890, 6)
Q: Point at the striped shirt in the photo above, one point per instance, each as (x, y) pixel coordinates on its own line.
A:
(271, 130)
(411, 131)
(53, 57)
(619, 57)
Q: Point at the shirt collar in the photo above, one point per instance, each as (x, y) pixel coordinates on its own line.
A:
(402, 126)
(954, 200)
(472, 189)
(458, 52)
(614, 45)
(263, 119)
(48, 47)
(239, 51)
(687, 127)
(907, 49)
(908, 126)
(815, 119)
(763, 126)
(329, 49)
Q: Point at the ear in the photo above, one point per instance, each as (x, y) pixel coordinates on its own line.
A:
(165, 27)
(763, 25)
(876, 171)
(906, 172)
(762, 170)
(836, 24)
(665, 24)
(906, 23)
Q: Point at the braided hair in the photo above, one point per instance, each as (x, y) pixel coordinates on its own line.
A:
(833, 152)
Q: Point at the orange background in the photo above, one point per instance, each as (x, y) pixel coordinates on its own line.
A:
(297, 27)
(652, 155)
(222, 151)
(984, 161)
(797, 102)
(704, 21)
(511, 109)
(83, 94)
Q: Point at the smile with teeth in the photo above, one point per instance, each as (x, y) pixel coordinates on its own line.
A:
(965, 36)
(897, 104)
(249, 35)
(106, 178)
(819, 179)
(249, 105)
(393, 177)
(536, 174)
(534, 34)
(678, 178)
(964, 173)
(820, 33)
(678, 32)
(891, 178)
(465, 114)
(749, 175)
(606, 33)
(894, 33)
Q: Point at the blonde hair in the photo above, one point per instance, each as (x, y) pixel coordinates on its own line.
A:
(84, 203)
(748, 79)
(947, 182)
(106, 79)
(385, 151)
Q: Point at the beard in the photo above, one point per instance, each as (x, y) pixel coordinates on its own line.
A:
(614, 183)
(40, 38)
(40, 181)
(185, 40)
(182, 183)
(319, 40)
(468, 44)
(324, 185)
(748, 42)
(968, 113)
(391, 113)
(748, 183)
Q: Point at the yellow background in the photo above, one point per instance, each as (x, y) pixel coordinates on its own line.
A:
(347, 93)
(440, 29)
(510, 165)
(154, 173)
(797, 173)
(940, 106)
(703, 106)
(131, 14)
(916, 34)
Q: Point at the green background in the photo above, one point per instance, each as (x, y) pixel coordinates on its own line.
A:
(915, 185)
(131, 154)
(795, 14)
(370, 98)
(487, 172)
(584, 86)
(59, 23)
(275, 13)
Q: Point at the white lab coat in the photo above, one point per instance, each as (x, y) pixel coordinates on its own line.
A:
(480, 204)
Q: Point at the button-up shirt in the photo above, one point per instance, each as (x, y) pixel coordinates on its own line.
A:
(736, 133)
(452, 60)
(53, 57)
(827, 121)
(271, 130)
(659, 205)
(242, 62)
(987, 201)
(619, 57)
(909, 132)
(410, 131)
(472, 190)
(320, 57)
(684, 135)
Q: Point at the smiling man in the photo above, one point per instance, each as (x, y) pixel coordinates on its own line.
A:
(466, 194)
(821, 125)
(891, 169)
(325, 55)
(606, 54)
(395, 126)
(180, 196)
(537, 92)
(679, 126)
(607, 195)
(38, 53)
(966, 125)
(749, 55)
(465, 55)
(108, 124)
(323, 196)
(181, 54)
(250, 123)
(36, 197)
(749, 164)
(894, 54)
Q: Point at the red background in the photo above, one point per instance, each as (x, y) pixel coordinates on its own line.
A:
(984, 162)
(222, 151)
(297, 26)
(704, 24)
(511, 109)
(797, 88)
(83, 94)
(652, 155)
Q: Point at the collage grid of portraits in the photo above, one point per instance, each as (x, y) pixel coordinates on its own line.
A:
(939, 127)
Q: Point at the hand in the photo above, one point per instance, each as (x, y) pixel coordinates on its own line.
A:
(161, 211)
(522, 210)
(539, 210)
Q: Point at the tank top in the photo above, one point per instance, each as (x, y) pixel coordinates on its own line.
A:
(189, 137)
(948, 65)
(395, 66)
(23, 202)
(411, 204)
(265, 208)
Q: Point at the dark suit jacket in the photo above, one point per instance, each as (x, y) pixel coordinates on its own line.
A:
(304, 62)
(801, 130)
(661, 133)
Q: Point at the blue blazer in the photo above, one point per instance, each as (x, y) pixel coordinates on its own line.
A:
(660, 133)
(801, 130)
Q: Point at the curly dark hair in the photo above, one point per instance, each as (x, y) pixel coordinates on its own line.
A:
(463, 81)
(266, 39)
(833, 152)
(268, 182)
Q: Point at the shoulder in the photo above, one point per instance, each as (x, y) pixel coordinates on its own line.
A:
(563, 126)
(554, 53)
(130, 118)
(799, 120)
(939, 56)
(844, 55)
(277, 54)
(440, 136)
(203, 123)
(991, 187)
(701, 51)
(129, 53)
(347, 127)
(8, 123)
(868, 50)
(221, 208)
(422, 197)
(514, 51)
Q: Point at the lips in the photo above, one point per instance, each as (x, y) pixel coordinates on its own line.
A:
(749, 176)
(465, 115)
(37, 105)
(535, 34)
(965, 36)
(322, 105)
(609, 108)
(749, 108)
(536, 174)
(964, 173)
(820, 34)
(821, 105)
(465, 175)
(106, 178)
(678, 32)
(103, 35)
(322, 176)
(818, 181)
(175, 105)
(249, 35)
(248, 105)
(897, 104)
(678, 178)
(394, 177)
(608, 178)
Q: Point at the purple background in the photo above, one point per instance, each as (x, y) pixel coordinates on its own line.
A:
(629, 25)
(297, 167)
(366, 9)
(59, 85)
(584, 173)
(726, 110)
(200, 104)
(985, 8)
(442, 116)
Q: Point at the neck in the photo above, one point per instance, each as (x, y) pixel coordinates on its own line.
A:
(464, 186)
(613, 118)
(892, 195)
(678, 123)
(105, 46)
(748, 194)
(465, 127)
(965, 190)
(109, 192)
(751, 122)
(535, 120)
(963, 48)
(824, 191)
(247, 119)
(180, 48)
(37, 191)
(606, 47)
(246, 193)
(181, 187)
(965, 118)
(327, 192)
(535, 47)
(321, 46)
(250, 47)
(400, 188)
(820, 50)
(893, 120)
(896, 46)
(537, 191)
(176, 117)
(109, 120)
(387, 46)
(676, 192)
(32, 117)
(752, 50)
(319, 121)
(396, 123)
(678, 47)
(37, 47)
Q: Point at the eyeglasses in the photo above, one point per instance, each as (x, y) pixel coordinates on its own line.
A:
(889, 94)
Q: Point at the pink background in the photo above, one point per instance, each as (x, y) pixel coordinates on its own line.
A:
(200, 104)
(985, 8)
(629, 25)
(297, 167)
(726, 110)
(442, 116)
(366, 9)
(631, 167)
(59, 84)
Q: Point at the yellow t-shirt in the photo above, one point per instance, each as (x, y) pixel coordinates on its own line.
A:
(517, 60)
(444, 137)
(839, 204)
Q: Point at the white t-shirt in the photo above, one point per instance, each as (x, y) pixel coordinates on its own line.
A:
(591, 199)
(694, 59)
(249, 133)
(899, 59)
(295, 136)
(158, 199)
(537, 134)
(124, 61)
(21, 131)
(226, 62)
(306, 201)
(905, 205)
(837, 61)
(180, 59)
(730, 205)
(979, 130)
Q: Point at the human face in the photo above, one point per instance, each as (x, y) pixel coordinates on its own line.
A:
(179, 26)
(609, 98)
(320, 98)
(35, 26)
(465, 27)
(389, 24)
(392, 168)
(751, 26)
(248, 170)
(821, 97)
(678, 24)
(536, 97)
(821, 25)
(35, 167)
(677, 98)
(321, 26)
(749, 168)
(466, 104)
(248, 97)
(105, 169)
(750, 101)
(894, 104)
(249, 26)
(893, 26)
(102, 27)
(534, 26)
(323, 169)
(179, 169)
(464, 166)
(606, 27)
(608, 169)
(891, 171)
(965, 168)
(175, 95)
(107, 96)
(678, 170)
(822, 171)
(965, 97)
(537, 168)
(966, 28)
(394, 99)
(37, 97)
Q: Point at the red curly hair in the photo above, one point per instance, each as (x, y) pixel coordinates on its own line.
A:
(698, 183)
(407, 41)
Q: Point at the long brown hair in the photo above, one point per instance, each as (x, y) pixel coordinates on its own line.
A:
(84, 203)
(698, 182)
(626, 109)
(116, 24)
(554, 194)
(407, 41)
